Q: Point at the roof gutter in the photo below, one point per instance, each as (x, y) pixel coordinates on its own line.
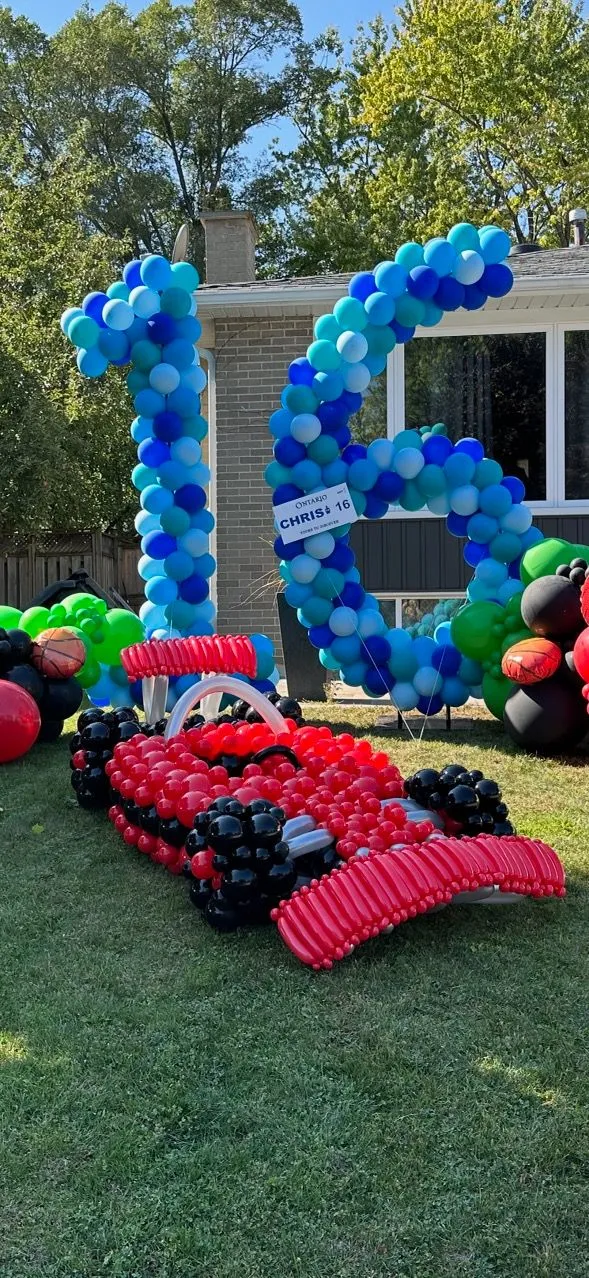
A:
(285, 296)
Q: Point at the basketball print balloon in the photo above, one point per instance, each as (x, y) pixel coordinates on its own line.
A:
(58, 653)
(531, 660)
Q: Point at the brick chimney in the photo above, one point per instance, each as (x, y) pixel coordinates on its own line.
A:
(230, 242)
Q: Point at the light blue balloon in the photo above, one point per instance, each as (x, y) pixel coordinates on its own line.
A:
(320, 546)
(495, 244)
(304, 569)
(194, 378)
(495, 500)
(118, 314)
(172, 475)
(187, 451)
(356, 377)
(146, 521)
(491, 573)
(517, 520)
(328, 386)
(464, 500)
(297, 593)
(305, 427)
(423, 650)
(195, 542)
(164, 378)
(148, 403)
(509, 588)
(391, 278)
(148, 568)
(152, 615)
(178, 565)
(180, 353)
(161, 590)
(370, 622)
(72, 313)
(381, 452)
(443, 634)
(145, 301)
(440, 255)
(459, 469)
(92, 363)
(352, 347)
(404, 696)
(355, 674)
(408, 462)
(343, 621)
(427, 681)
(439, 505)
(280, 423)
(156, 272)
(156, 499)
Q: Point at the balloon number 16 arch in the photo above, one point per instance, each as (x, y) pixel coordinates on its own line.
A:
(313, 450)
(148, 319)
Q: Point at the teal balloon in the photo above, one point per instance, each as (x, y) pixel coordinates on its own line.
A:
(409, 255)
(316, 611)
(118, 290)
(487, 472)
(176, 302)
(146, 355)
(350, 314)
(83, 331)
(327, 659)
(185, 276)
(327, 328)
(323, 355)
(178, 565)
(69, 315)
(176, 522)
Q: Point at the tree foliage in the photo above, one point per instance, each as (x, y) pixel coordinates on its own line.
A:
(501, 89)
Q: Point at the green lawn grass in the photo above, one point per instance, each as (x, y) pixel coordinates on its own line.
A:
(174, 1103)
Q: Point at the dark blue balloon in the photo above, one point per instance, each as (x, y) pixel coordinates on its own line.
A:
(92, 306)
(362, 285)
(351, 400)
(288, 451)
(263, 685)
(388, 486)
(288, 551)
(376, 649)
(132, 274)
(422, 282)
(136, 690)
(437, 449)
(515, 566)
(376, 507)
(301, 372)
(449, 294)
(496, 279)
(430, 705)
(161, 328)
(472, 447)
(402, 333)
(446, 659)
(352, 596)
(168, 426)
(515, 487)
(473, 552)
(286, 492)
(354, 452)
(457, 524)
(332, 414)
(194, 589)
(342, 436)
(191, 497)
(152, 452)
(159, 544)
(320, 636)
(341, 558)
(474, 297)
(379, 680)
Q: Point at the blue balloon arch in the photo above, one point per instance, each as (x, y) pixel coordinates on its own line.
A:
(418, 469)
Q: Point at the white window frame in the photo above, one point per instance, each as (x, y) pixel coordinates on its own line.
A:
(397, 597)
(554, 330)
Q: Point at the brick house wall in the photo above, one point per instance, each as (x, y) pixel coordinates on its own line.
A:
(252, 356)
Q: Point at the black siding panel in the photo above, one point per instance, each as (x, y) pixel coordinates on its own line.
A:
(413, 555)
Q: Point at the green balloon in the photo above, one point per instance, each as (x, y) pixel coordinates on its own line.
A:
(34, 620)
(121, 629)
(495, 693)
(73, 603)
(473, 629)
(90, 672)
(543, 559)
(10, 617)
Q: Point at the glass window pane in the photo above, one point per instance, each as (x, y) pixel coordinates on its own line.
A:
(492, 388)
(422, 616)
(576, 415)
(370, 422)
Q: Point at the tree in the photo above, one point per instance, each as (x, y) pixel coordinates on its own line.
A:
(502, 90)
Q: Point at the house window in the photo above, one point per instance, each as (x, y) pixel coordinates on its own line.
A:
(492, 387)
(576, 414)
(370, 422)
(419, 614)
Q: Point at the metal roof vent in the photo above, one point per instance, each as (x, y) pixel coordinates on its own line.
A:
(517, 250)
(578, 223)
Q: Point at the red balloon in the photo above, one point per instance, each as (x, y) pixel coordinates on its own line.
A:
(581, 655)
(20, 721)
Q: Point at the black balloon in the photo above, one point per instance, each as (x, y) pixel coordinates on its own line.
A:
(87, 717)
(50, 730)
(551, 607)
(21, 644)
(547, 716)
(61, 698)
(28, 678)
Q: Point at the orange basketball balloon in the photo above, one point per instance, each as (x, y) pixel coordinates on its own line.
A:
(531, 660)
(58, 653)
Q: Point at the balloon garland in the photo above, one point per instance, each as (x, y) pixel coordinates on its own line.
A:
(313, 450)
(148, 319)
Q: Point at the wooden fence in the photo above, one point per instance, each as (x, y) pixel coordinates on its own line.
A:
(27, 566)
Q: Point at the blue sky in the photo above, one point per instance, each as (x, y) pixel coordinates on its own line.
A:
(317, 14)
